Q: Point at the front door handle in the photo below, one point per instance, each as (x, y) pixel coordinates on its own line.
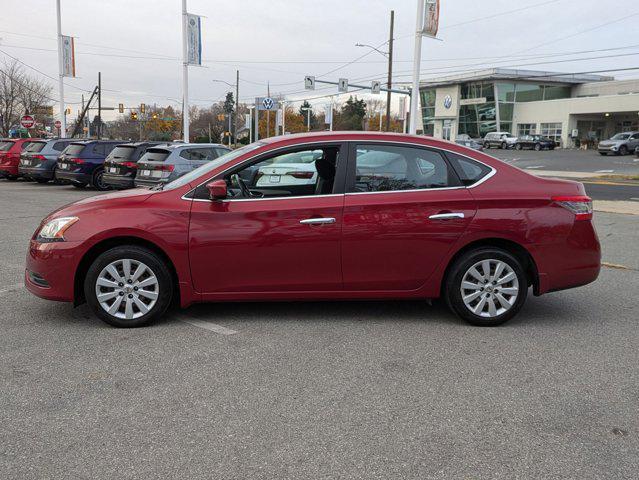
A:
(317, 221)
(446, 216)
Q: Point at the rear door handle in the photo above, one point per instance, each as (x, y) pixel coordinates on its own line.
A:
(446, 216)
(317, 221)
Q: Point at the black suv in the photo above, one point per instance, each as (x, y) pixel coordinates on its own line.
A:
(121, 165)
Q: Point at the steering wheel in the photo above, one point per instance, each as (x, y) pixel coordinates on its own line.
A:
(235, 178)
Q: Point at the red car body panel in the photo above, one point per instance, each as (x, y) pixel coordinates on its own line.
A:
(10, 159)
(382, 245)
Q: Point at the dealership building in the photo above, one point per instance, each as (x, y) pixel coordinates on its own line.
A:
(573, 109)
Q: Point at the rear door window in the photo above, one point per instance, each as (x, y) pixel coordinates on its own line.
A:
(35, 147)
(74, 149)
(155, 155)
(98, 149)
(469, 171)
(5, 146)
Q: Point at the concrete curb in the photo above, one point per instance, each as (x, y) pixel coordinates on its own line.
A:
(610, 206)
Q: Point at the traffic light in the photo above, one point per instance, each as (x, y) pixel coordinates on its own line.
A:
(142, 108)
(155, 116)
(121, 107)
(134, 115)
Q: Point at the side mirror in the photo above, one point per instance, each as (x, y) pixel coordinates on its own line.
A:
(217, 189)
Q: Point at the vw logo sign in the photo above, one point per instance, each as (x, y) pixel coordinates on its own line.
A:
(268, 103)
(448, 102)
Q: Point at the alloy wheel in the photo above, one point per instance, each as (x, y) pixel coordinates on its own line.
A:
(489, 288)
(127, 289)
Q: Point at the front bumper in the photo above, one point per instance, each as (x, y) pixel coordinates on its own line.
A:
(608, 148)
(149, 183)
(54, 265)
(118, 181)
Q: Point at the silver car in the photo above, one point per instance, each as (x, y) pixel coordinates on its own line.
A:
(620, 144)
(164, 164)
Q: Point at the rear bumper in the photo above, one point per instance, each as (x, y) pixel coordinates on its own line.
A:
(54, 265)
(149, 183)
(11, 170)
(74, 177)
(36, 172)
(118, 181)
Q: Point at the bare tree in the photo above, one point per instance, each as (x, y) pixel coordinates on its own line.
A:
(19, 94)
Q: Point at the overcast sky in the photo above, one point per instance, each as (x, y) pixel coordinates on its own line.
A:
(136, 44)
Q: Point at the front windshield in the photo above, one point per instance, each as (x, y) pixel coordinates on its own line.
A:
(212, 165)
(621, 136)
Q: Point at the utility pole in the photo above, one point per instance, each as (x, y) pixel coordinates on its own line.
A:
(63, 119)
(237, 106)
(268, 112)
(390, 70)
(185, 74)
(99, 129)
(417, 58)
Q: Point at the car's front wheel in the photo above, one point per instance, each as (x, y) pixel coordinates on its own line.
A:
(504, 146)
(486, 145)
(623, 150)
(486, 287)
(518, 146)
(128, 286)
(537, 147)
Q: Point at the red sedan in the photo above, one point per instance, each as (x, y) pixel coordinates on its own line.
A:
(10, 150)
(386, 216)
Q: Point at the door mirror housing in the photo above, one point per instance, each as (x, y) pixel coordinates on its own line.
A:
(217, 189)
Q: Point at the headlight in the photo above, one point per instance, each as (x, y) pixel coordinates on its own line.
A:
(53, 231)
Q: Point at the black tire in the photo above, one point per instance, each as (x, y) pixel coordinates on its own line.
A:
(153, 262)
(452, 285)
(537, 147)
(603, 154)
(518, 146)
(504, 145)
(98, 181)
(42, 180)
(11, 178)
(623, 150)
(486, 145)
(78, 185)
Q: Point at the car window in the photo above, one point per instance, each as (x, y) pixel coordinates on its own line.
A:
(221, 151)
(123, 152)
(74, 149)
(59, 146)
(108, 147)
(25, 145)
(621, 136)
(155, 155)
(35, 147)
(380, 168)
(283, 175)
(635, 136)
(468, 171)
(198, 154)
(98, 149)
(5, 146)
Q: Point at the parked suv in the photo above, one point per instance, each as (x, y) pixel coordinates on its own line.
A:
(121, 164)
(10, 150)
(82, 163)
(38, 161)
(535, 142)
(620, 144)
(499, 140)
(164, 164)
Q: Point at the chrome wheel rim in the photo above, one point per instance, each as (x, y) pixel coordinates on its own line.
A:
(489, 288)
(127, 289)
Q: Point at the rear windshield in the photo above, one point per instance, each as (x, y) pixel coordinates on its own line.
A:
(4, 146)
(122, 153)
(74, 148)
(155, 155)
(35, 147)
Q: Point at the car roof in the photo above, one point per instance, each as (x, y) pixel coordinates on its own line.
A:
(181, 146)
(140, 144)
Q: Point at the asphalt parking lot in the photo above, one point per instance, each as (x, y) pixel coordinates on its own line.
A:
(319, 390)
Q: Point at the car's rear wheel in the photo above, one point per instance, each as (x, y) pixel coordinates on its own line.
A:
(504, 145)
(12, 178)
(486, 287)
(128, 286)
(518, 146)
(537, 147)
(486, 145)
(42, 180)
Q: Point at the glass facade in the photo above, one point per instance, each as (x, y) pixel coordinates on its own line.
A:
(488, 106)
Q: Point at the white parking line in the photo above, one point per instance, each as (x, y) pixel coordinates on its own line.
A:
(604, 171)
(535, 166)
(213, 327)
(11, 288)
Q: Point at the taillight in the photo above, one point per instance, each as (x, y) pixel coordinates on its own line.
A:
(38, 157)
(297, 174)
(580, 205)
(165, 168)
(75, 160)
(129, 164)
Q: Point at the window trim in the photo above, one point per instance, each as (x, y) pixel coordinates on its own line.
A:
(340, 174)
(487, 177)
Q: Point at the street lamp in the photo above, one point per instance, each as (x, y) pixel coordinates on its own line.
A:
(372, 48)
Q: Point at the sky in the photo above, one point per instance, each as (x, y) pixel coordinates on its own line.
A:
(136, 44)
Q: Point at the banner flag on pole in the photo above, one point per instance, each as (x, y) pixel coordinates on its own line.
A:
(402, 108)
(278, 119)
(431, 18)
(328, 113)
(194, 37)
(68, 56)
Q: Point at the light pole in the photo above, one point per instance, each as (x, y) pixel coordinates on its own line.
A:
(185, 74)
(63, 117)
(417, 58)
(235, 85)
(308, 111)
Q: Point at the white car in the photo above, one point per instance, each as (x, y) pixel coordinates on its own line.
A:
(290, 169)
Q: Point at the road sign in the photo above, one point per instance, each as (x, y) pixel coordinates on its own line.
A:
(342, 85)
(57, 124)
(375, 87)
(42, 110)
(27, 121)
(309, 83)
